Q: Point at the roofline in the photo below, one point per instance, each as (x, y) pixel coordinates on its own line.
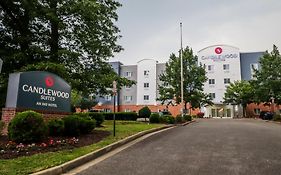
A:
(218, 45)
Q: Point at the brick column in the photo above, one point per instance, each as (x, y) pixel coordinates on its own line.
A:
(7, 115)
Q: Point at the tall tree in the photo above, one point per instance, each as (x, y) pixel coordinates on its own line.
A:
(71, 38)
(239, 93)
(194, 78)
(267, 79)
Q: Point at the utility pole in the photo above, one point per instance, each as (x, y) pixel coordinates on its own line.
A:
(181, 52)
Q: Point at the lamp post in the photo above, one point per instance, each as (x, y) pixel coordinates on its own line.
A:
(114, 99)
(1, 62)
(272, 103)
(182, 107)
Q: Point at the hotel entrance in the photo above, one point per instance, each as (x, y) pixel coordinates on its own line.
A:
(220, 111)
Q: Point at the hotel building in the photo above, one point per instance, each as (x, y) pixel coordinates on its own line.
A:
(224, 64)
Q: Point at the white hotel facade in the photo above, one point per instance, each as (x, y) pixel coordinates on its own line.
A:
(223, 63)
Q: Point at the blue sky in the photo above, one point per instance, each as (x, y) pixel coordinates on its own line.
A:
(151, 28)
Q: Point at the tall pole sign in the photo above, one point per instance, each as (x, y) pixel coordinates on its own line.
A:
(1, 63)
(114, 99)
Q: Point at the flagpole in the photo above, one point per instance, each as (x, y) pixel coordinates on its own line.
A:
(182, 103)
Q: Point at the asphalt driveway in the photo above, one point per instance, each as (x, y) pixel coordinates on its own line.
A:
(211, 147)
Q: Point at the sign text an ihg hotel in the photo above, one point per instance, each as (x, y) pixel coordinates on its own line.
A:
(38, 90)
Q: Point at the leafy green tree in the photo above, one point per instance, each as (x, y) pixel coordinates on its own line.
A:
(71, 38)
(239, 93)
(267, 79)
(194, 78)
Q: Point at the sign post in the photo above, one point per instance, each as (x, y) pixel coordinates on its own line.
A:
(1, 63)
(114, 96)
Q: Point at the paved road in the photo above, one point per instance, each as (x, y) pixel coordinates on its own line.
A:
(211, 147)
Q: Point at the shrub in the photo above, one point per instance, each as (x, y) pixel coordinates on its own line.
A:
(71, 125)
(56, 127)
(144, 112)
(163, 119)
(154, 118)
(179, 118)
(170, 119)
(2, 124)
(99, 117)
(86, 125)
(121, 116)
(200, 114)
(187, 117)
(27, 127)
(82, 114)
(194, 116)
(75, 125)
(277, 117)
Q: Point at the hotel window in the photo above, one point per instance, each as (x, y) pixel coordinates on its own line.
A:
(212, 95)
(226, 80)
(253, 67)
(107, 110)
(146, 97)
(211, 68)
(257, 111)
(146, 72)
(128, 74)
(128, 110)
(128, 98)
(211, 81)
(107, 98)
(127, 87)
(146, 85)
(226, 67)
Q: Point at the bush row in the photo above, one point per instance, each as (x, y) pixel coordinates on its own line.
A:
(169, 119)
(121, 116)
(29, 126)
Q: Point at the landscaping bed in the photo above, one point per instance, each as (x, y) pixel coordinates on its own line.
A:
(9, 149)
(29, 164)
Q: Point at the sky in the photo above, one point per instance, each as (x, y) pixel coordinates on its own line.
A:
(150, 29)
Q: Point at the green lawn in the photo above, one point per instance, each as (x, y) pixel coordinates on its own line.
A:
(26, 165)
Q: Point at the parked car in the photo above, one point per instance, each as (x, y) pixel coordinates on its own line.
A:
(266, 115)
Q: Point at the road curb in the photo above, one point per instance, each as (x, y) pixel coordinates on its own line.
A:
(93, 155)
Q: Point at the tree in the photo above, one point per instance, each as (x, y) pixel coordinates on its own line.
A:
(144, 112)
(267, 79)
(194, 77)
(71, 38)
(239, 93)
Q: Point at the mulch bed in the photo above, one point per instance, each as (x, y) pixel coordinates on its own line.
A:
(10, 150)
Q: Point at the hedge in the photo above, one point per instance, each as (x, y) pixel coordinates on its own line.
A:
(121, 116)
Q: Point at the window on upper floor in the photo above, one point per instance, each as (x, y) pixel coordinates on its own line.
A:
(212, 95)
(128, 74)
(226, 67)
(127, 87)
(146, 72)
(211, 68)
(107, 98)
(226, 80)
(253, 67)
(128, 98)
(146, 97)
(211, 81)
(146, 85)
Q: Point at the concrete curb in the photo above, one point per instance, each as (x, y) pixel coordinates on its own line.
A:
(93, 155)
